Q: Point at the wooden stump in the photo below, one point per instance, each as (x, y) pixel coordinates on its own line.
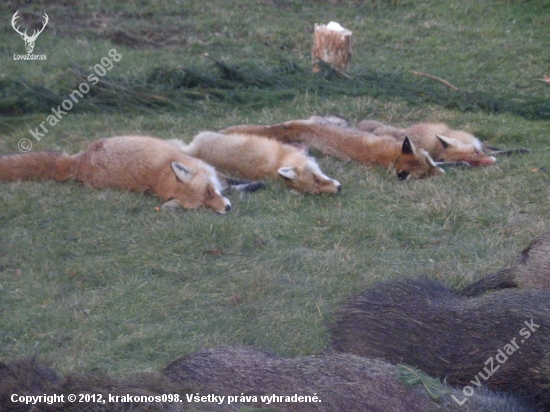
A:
(332, 45)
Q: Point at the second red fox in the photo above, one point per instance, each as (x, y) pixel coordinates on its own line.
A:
(255, 157)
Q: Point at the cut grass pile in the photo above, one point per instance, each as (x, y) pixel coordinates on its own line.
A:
(180, 88)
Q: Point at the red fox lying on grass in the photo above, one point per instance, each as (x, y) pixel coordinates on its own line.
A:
(442, 143)
(136, 163)
(255, 157)
(328, 136)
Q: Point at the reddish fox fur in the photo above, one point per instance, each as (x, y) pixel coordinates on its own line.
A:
(136, 163)
(442, 143)
(255, 157)
(346, 143)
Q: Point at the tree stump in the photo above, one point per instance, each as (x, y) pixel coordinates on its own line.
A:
(332, 45)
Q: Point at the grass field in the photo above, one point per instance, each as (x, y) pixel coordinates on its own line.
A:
(99, 280)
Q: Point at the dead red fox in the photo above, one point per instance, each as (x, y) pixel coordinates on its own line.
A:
(346, 143)
(136, 163)
(442, 143)
(254, 157)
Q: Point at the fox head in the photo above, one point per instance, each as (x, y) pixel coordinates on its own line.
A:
(415, 163)
(192, 189)
(449, 145)
(454, 150)
(308, 178)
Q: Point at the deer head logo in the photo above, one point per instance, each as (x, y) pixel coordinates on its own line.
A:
(29, 40)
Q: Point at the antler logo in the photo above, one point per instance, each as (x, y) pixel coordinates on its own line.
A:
(29, 40)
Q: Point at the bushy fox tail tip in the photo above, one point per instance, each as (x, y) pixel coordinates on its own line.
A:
(36, 166)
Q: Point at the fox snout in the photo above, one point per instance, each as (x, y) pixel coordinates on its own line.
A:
(221, 205)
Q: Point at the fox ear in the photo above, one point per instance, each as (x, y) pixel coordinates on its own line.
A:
(446, 141)
(288, 172)
(182, 173)
(408, 146)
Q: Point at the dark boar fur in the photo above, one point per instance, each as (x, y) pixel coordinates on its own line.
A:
(532, 270)
(27, 378)
(342, 382)
(421, 323)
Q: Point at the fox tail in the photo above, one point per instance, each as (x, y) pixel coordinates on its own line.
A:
(36, 166)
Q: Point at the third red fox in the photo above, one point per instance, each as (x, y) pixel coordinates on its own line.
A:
(137, 163)
(346, 143)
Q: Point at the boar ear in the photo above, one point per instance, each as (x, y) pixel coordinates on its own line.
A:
(288, 172)
(446, 141)
(182, 173)
(408, 146)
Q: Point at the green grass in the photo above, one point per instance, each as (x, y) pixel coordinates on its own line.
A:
(98, 280)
